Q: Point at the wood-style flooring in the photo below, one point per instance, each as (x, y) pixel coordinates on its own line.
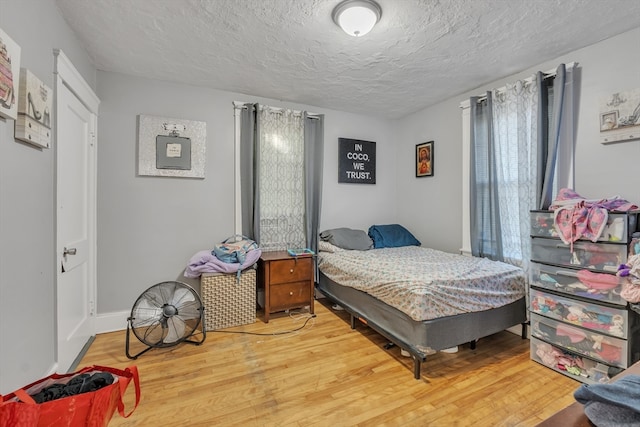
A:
(327, 374)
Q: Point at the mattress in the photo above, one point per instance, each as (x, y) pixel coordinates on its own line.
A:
(426, 283)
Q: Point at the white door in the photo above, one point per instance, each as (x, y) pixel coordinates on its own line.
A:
(75, 238)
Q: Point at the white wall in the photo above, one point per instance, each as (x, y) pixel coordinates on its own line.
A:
(149, 227)
(431, 207)
(27, 255)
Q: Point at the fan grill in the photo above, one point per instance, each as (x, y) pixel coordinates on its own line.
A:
(165, 315)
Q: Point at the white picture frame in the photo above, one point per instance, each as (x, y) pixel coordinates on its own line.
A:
(619, 118)
(35, 106)
(192, 136)
(9, 76)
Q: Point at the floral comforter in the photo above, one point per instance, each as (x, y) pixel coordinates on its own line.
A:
(426, 283)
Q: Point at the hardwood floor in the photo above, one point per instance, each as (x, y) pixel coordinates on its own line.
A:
(327, 374)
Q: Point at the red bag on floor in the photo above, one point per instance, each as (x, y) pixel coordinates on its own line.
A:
(93, 408)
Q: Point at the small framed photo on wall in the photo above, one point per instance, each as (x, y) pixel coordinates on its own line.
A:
(424, 159)
(9, 76)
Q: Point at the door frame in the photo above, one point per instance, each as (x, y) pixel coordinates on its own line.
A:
(66, 74)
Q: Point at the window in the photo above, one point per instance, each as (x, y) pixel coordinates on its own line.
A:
(513, 131)
(278, 179)
(281, 179)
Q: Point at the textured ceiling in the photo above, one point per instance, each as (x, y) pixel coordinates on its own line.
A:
(421, 52)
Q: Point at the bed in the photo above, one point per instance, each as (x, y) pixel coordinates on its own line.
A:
(420, 299)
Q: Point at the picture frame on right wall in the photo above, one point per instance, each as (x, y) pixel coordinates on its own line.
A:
(620, 117)
(9, 76)
(424, 159)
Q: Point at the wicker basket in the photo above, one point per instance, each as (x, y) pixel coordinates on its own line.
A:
(227, 301)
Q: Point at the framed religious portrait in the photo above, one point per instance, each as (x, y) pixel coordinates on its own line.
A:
(424, 159)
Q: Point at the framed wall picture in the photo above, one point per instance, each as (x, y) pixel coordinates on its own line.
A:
(356, 161)
(424, 159)
(620, 117)
(9, 76)
(35, 104)
(171, 147)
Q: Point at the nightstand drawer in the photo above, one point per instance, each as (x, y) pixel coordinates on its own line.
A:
(612, 321)
(287, 295)
(291, 270)
(600, 347)
(602, 256)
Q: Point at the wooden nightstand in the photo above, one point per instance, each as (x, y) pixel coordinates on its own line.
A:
(287, 281)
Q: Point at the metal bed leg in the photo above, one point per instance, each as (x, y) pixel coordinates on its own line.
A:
(472, 344)
(418, 356)
(524, 330)
(416, 367)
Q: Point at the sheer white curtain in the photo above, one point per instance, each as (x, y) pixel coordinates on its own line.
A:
(521, 145)
(515, 130)
(281, 179)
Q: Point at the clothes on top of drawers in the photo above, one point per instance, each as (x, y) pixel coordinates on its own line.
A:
(615, 229)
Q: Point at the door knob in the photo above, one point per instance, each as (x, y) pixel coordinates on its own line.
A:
(70, 251)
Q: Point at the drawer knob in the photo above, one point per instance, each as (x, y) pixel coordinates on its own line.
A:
(291, 293)
(291, 271)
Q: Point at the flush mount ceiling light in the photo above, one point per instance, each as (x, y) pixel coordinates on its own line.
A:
(357, 17)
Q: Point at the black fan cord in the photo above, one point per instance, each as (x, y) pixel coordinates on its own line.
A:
(269, 334)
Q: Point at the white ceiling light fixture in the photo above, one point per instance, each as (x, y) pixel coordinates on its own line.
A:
(357, 17)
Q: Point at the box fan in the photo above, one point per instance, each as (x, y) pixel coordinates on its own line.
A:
(165, 315)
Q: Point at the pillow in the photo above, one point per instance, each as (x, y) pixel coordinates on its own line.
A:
(347, 238)
(391, 236)
(328, 247)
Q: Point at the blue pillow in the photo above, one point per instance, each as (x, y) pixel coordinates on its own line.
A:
(391, 236)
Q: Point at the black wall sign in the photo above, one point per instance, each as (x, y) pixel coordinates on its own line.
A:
(356, 161)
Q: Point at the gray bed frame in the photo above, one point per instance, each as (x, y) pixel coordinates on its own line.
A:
(416, 336)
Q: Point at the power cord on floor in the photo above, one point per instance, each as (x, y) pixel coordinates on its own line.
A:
(271, 333)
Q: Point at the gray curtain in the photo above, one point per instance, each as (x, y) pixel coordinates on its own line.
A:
(249, 159)
(543, 132)
(557, 140)
(313, 165)
(486, 233)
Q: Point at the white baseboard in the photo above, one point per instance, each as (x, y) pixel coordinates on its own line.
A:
(110, 322)
(52, 370)
(465, 252)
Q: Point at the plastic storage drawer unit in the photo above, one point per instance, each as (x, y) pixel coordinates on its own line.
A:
(618, 229)
(604, 348)
(572, 365)
(596, 286)
(612, 321)
(604, 257)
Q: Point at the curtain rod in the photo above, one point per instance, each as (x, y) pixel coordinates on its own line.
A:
(242, 105)
(549, 73)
